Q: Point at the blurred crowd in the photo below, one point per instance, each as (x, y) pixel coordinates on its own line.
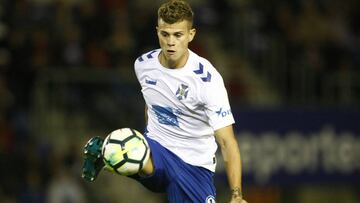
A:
(35, 35)
(322, 34)
(308, 47)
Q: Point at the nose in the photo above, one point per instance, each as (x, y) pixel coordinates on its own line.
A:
(171, 40)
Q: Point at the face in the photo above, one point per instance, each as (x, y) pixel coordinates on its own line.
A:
(174, 41)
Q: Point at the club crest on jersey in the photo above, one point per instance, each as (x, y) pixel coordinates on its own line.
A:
(182, 92)
(210, 199)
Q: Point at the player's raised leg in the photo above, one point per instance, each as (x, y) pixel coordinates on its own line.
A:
(124, 151)
(148, 168)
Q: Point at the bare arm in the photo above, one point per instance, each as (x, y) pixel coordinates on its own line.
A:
(231, 155)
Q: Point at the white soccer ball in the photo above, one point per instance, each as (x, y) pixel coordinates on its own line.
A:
(125, 151)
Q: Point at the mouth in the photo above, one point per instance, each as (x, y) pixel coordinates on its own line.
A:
(170, 52)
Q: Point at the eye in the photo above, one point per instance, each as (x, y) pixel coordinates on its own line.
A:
(164, 34)
(178, 35)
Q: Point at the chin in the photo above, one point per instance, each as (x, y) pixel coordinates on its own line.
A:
(172, 58)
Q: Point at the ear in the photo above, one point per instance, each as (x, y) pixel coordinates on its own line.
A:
(192, 33)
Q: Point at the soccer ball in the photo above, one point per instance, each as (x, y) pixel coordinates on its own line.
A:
(125, 151)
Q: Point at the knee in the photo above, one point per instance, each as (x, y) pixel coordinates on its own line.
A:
(148, 168)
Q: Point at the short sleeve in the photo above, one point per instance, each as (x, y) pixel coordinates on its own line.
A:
(217, 104)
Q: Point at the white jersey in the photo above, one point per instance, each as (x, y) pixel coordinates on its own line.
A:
(185, 106)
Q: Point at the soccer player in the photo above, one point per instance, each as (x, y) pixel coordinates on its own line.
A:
(187, 111)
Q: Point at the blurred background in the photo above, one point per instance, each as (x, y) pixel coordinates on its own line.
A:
(291, 69)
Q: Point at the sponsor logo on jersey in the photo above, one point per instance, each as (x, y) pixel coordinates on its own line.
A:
(182, 92)
(210, 199)
(150, 81)
(165, 115)
(224, 113)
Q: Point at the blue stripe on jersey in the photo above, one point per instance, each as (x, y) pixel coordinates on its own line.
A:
(200, 72)
(207, 78)
(149, 56)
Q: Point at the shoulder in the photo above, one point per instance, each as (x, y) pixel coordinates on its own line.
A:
(204, 69)
(145, 62)
(150, 55)
(147, 57)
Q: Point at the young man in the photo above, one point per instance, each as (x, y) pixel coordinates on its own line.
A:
(187, 111)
